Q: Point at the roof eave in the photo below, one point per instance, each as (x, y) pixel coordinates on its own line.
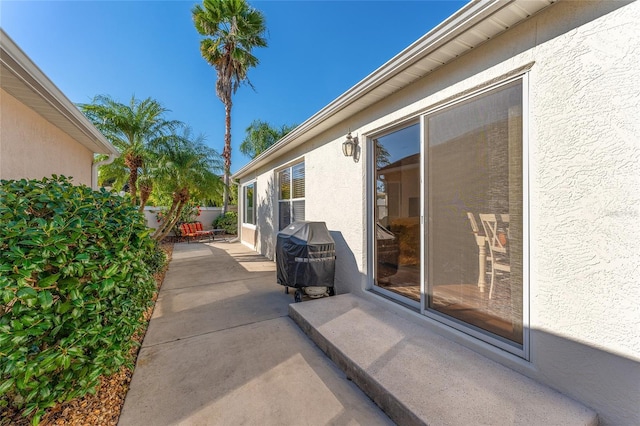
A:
(457, 25)
(32, 80)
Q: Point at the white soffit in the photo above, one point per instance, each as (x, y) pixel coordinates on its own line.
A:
(23, 80)
(471, 26)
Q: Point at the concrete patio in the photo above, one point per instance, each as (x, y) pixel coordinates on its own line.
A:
(227, 346)
(221, 350)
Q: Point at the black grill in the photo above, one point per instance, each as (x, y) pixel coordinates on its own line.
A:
(306, 256)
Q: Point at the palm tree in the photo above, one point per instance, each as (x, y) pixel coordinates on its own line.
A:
(134, 129)
(260, 136)
(232, 29)
(188, 169)
(149, 170)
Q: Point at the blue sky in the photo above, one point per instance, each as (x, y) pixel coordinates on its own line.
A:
(317, 51)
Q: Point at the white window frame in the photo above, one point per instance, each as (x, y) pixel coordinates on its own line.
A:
(245, 187)
(291, 199)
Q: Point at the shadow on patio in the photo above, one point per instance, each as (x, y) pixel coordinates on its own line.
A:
(220, 349)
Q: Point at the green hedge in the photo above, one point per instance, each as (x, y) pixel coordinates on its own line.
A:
(76, 275)
(228, 222)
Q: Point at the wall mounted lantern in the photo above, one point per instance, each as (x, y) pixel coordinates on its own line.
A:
(350, 146)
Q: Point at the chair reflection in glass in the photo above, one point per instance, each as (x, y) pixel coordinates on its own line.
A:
(497, 236)
(481, 241)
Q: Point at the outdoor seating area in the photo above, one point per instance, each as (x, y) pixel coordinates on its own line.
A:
(195, 231)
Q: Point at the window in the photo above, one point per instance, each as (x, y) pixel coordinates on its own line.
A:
(463, 264)
(249, 200)
(474, 199)
(291, 195)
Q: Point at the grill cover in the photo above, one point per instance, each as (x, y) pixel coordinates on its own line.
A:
(305, 255)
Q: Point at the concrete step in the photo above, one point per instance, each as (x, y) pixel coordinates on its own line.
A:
(419, 377)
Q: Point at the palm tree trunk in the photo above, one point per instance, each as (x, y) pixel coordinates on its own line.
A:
(145, 192)
(133, 177)
(226, 154)
(167, 220)
(133, 162)
(181, 205)
(143, 202)
(180, 198)
(183, 197)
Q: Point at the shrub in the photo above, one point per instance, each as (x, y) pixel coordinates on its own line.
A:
(228, 222)
(75, 278)
(155, 258)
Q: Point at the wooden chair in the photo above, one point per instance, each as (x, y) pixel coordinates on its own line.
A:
(498, 240)
(481, 241)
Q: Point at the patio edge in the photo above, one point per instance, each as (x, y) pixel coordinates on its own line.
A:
(391, 405)
(375, 363)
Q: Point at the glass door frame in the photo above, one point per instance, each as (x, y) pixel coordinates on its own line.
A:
(457, 325)
(371, 216)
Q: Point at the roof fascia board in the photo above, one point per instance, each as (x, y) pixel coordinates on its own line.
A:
(31, 76)
(462, 20)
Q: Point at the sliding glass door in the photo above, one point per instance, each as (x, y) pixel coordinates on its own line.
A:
(474, 204)
(468, 250)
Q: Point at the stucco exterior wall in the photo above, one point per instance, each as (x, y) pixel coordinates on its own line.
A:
(582, 153)
(585, 263)
(334, 187)
(33, 148)
(248, 234)
(587, 177)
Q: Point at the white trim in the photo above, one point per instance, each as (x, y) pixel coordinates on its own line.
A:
(94, 170)
(290, 165)
(526, 224)
(370, 213)
(243, 186)
(423, 214)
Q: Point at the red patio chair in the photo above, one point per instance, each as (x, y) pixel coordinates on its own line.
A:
(186, 232)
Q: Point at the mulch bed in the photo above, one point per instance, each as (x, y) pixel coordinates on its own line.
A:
(102, 408)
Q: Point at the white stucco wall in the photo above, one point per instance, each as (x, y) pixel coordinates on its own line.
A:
(32, 148)
(583, 155)
(334, 186)
(586, 185)
(585, 269)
